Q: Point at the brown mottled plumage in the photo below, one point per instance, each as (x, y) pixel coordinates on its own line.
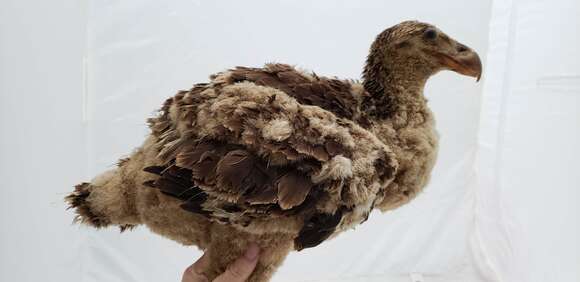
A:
(281, 157)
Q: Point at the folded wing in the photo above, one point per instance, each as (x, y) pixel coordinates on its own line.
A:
(244, 148)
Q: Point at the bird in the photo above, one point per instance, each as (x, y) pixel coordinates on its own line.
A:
(282, 157)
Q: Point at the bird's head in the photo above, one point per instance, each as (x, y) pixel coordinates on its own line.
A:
(420, 50)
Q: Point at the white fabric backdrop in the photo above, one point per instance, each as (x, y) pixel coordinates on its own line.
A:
(528, 215)
(502, 205)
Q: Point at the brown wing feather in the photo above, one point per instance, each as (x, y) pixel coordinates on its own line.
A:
(293, 188)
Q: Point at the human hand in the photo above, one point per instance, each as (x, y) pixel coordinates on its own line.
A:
(238, 271)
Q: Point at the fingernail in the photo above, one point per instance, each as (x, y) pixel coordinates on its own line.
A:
(252, 252)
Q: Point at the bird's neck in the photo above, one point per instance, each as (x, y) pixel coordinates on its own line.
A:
(393, 92)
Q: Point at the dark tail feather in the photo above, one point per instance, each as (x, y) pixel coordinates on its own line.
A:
(77, 200)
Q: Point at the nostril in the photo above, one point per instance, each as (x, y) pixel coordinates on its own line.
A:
(461, 48)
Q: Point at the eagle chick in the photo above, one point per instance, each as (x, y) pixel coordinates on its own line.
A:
(281, 157)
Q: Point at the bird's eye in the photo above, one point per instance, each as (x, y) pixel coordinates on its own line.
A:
(430, 34)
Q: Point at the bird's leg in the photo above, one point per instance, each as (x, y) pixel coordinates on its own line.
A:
(228, 244)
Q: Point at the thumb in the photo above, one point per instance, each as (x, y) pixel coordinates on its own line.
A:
(242, 268)
(194, 273)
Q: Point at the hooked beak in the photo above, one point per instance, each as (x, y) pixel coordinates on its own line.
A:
(465, 61)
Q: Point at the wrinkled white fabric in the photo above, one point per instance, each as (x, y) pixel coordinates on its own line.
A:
(78, 79)
(527, 214)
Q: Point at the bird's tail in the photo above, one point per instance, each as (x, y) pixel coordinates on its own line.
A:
(103, 202)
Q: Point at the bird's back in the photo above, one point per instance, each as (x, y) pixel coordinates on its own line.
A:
(341, 97)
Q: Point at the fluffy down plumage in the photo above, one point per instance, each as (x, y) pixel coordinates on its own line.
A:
(276, 156)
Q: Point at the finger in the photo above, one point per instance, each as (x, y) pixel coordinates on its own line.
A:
(201, 264)
(194, 273)
(242, 268)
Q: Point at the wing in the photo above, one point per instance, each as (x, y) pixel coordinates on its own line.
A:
(241, 153)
